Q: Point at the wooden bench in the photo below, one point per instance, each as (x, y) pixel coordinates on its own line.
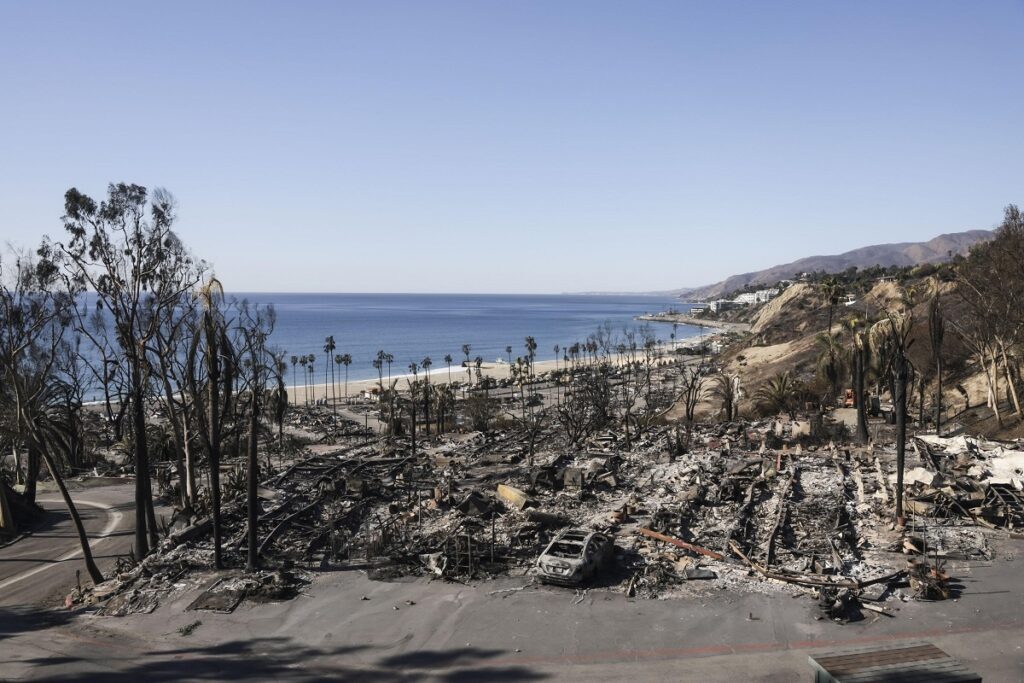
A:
(906, 662)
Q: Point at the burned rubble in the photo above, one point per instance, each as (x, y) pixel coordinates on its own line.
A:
(745, 506)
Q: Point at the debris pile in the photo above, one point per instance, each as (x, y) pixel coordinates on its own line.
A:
(729, 513)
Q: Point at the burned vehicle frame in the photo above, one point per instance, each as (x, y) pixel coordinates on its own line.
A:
(574, 556)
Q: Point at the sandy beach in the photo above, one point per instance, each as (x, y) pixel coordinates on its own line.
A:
(440, 375)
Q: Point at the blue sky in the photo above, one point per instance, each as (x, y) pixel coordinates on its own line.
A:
(516, 146)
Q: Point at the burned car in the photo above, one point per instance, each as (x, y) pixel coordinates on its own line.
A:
(573, 556)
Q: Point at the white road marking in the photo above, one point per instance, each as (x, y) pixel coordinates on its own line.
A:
(115, 519)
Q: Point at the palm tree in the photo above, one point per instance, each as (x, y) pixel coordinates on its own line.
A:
(378, 365)
(893, 333)
(304, 362)
(508, 350)
(725, 388)
(861, 351)
(413, 384)
(466, 348)
(531, 354)
(779, 393)
(448, 361)
(831, 362)
(311, 360)
(936, 332)
(337, 361)
(346, 360)
(329, 347)
(295, 383)
(833, 290)
(426, 364)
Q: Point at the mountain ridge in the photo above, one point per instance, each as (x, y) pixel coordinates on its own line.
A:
(939, 249)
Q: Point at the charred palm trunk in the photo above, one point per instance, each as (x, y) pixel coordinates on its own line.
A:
(901, 372)
(214, 454)
(860, 363)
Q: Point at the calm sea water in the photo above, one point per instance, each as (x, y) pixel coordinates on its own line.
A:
(411, 326)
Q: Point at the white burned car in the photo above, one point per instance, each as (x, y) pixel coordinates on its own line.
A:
(573, 556)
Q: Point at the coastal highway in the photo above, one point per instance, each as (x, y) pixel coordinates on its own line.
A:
(38, 569)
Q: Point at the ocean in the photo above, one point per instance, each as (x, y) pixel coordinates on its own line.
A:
(412, 326)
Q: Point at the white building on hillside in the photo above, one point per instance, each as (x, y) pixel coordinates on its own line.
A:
(759, 297)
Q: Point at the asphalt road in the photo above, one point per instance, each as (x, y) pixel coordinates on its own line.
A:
(39, 569)
(346, 627)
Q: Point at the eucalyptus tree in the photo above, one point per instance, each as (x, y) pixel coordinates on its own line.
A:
(177, 326)
(990, 281)
(124, 249)
(35, 311)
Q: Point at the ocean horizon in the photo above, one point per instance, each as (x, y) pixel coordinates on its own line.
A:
(413, 326)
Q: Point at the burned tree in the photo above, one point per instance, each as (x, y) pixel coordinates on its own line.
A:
(893, 334)
(211, 369)
(35, 311)
(255, 325)
(691, 389)
(936, 333)
(124, 250)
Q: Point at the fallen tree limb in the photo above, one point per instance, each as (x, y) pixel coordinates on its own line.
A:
(811, 580)
(682, 544)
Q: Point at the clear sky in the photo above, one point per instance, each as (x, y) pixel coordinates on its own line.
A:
(519, 146)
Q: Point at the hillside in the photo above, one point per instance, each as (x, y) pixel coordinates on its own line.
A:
(936, 250)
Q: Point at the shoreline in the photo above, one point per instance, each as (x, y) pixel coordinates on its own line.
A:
(680, 319)
(458, 374)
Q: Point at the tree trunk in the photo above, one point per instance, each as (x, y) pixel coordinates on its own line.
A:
(190, 468)
(901, 434)
(31, 474)
(920, 403)
(90, 564)
(862, 409)
(938, 395)
(1009, 380)
(141, 466)
(18, 474)
(214, 455)
(253, 477)
(992, 376)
